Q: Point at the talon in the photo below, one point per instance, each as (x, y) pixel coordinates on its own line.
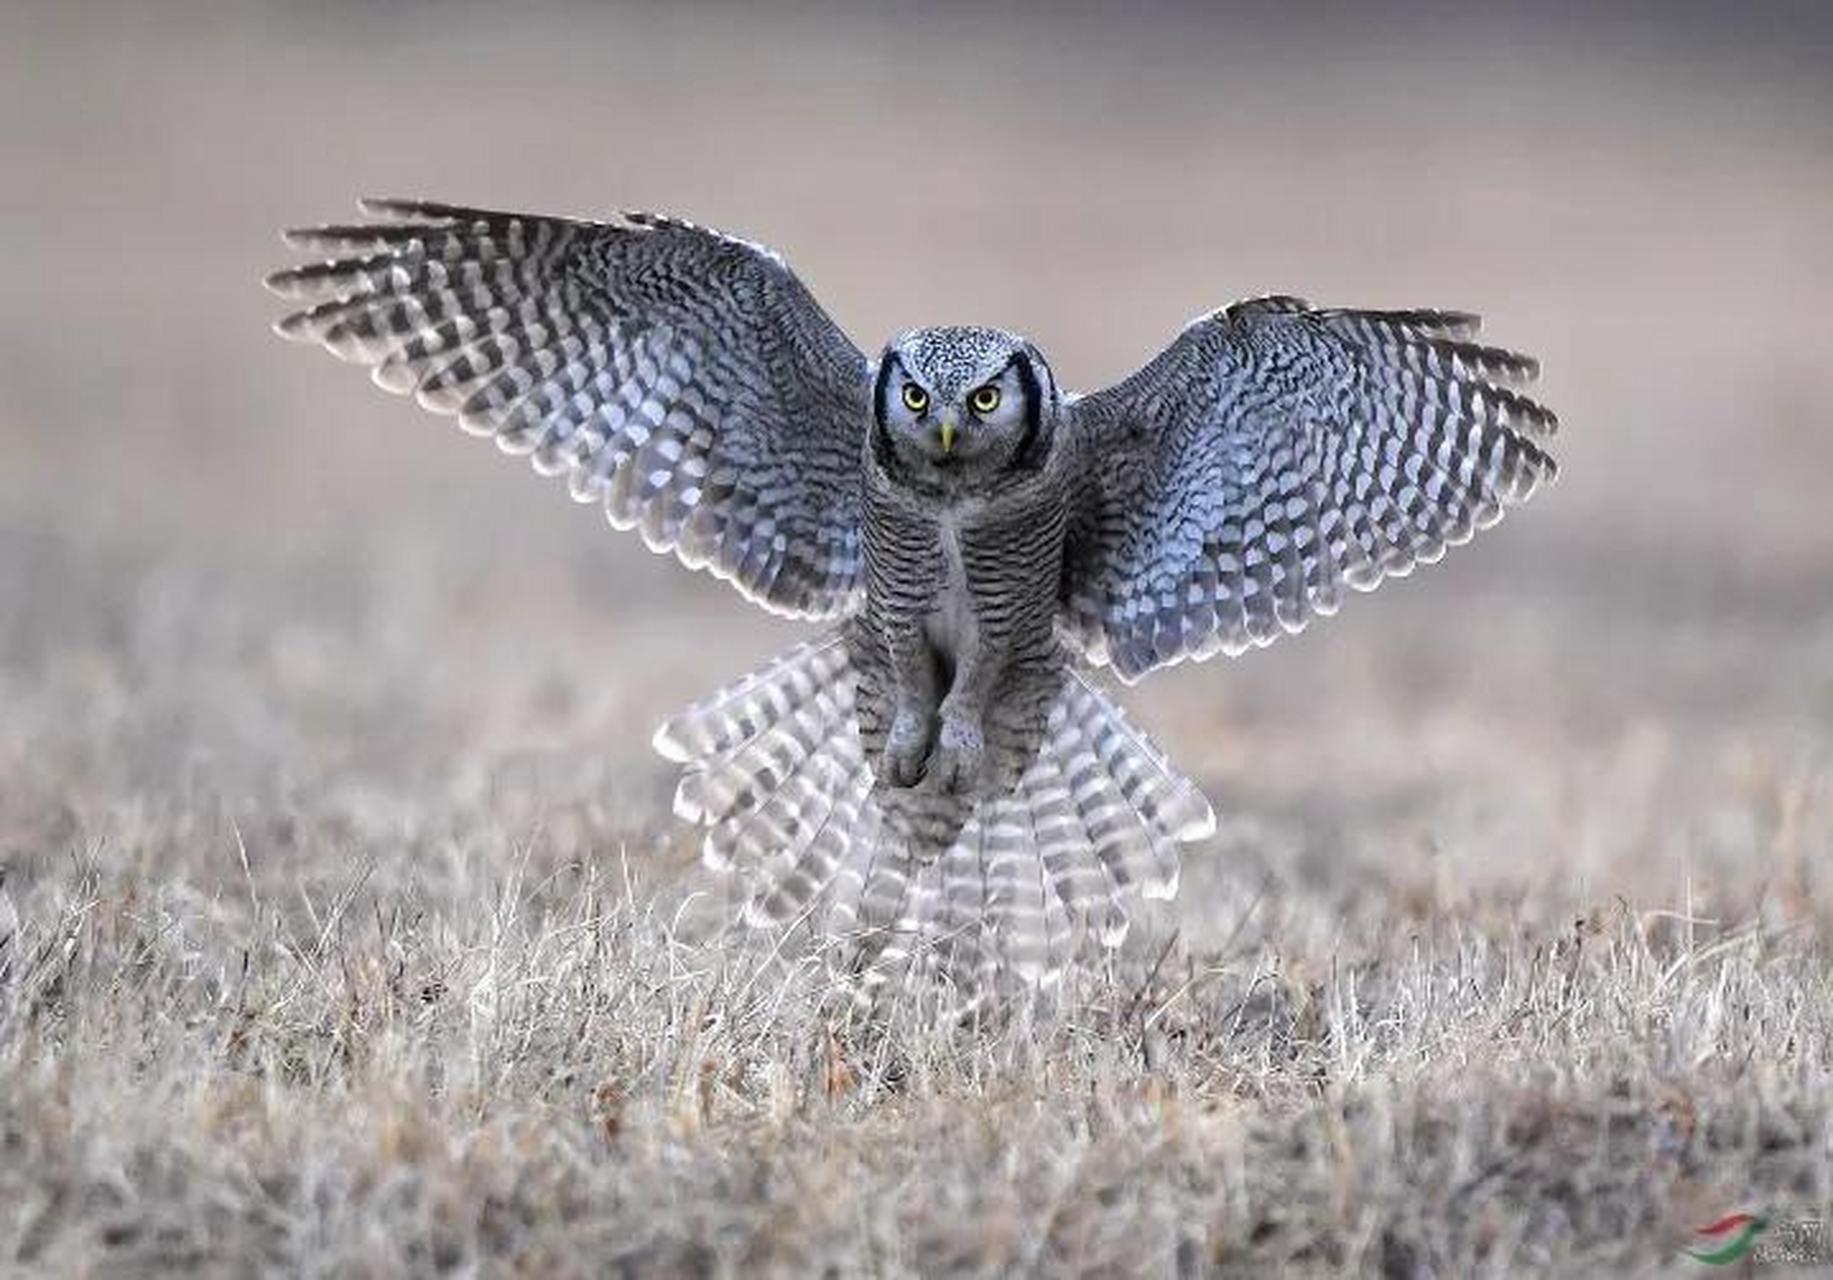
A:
(906, 748)
(959, 757)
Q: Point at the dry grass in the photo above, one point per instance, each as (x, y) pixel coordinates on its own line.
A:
(342, 928)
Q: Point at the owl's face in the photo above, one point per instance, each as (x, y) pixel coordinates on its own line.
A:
(957, 408)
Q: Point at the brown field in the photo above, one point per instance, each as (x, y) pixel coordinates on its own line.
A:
(343, 928)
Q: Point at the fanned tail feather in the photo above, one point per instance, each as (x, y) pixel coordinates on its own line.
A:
(776, 771)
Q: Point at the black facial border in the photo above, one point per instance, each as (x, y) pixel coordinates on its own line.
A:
(882, 448)
(1031, 446)
(885, 368)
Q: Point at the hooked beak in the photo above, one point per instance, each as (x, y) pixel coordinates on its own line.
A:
(948, 435)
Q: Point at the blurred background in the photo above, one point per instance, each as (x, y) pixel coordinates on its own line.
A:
(246, 598)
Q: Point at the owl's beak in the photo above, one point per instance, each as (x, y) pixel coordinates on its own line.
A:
(948, 435)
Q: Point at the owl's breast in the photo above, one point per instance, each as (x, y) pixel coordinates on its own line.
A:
(968, 574)
(951, 623)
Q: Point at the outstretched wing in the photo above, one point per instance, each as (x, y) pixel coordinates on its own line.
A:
(683, 378)
(1274, 454)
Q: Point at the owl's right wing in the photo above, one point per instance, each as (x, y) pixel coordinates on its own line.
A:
(685, 379)
(1275, 454)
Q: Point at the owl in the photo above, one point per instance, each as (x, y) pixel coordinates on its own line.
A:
(940, 772)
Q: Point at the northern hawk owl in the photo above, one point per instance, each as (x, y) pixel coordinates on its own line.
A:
(939, 771)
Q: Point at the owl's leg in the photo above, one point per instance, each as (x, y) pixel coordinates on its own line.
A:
(960, 751)
(960, 754)
(916, 689)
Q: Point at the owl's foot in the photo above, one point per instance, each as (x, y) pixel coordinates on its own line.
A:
(907, 747)
(959, 756)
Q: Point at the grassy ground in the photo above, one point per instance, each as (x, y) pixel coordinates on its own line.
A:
(342, 925)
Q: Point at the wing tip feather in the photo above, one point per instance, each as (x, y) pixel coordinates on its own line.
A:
(294, 327)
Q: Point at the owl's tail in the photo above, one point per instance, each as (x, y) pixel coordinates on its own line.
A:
(775, 769)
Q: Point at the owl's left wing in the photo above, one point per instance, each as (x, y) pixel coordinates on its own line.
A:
(683, 378)
(1274, 454)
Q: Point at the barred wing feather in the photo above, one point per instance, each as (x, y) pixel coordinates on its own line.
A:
(683, 378)
(1275, 454)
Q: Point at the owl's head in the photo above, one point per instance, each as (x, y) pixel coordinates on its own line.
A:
(958, 408)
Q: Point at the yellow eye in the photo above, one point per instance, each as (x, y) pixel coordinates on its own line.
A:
(915, 398)
(984, 400)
